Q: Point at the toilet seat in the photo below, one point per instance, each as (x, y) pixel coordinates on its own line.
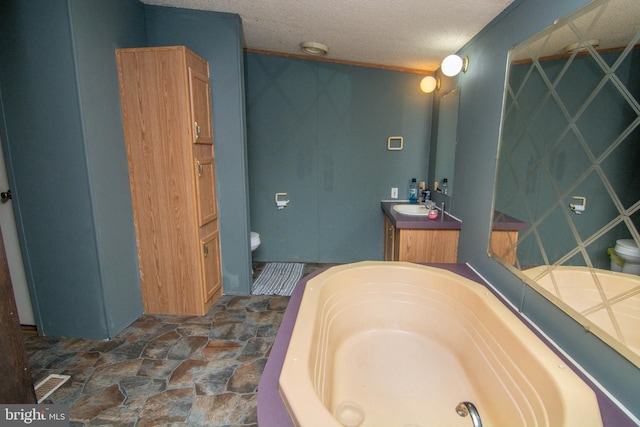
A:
(630, 254)
(255, 240)
(628, 250)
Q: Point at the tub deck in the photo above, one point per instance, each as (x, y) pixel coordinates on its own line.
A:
(272, 412)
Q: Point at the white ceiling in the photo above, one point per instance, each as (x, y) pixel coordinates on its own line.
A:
(411, 34)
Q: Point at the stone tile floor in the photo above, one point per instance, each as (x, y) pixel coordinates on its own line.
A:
(167, 370)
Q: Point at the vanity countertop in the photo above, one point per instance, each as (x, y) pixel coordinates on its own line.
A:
(418, 222)
(504, 222)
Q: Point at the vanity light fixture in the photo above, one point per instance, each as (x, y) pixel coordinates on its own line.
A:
(429, 84)
(580, 46)
(314, 48)
(453, 64)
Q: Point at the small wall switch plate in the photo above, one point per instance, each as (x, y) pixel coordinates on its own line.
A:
(394, 193)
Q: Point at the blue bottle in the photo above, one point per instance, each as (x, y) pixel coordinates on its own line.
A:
(413, 192)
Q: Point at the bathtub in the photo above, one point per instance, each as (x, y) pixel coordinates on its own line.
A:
(609, 299)
(398, 344)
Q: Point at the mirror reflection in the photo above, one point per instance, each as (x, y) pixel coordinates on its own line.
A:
(569, 168)
(447, 139)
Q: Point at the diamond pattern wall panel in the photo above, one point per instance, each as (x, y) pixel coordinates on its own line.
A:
(571, 127)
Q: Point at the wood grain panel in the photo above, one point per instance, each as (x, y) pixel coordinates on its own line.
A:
(204, 177)
(504, 244)
(200, 107)
(389, 240)
(168, 212)
(428, 245)
(211, 268)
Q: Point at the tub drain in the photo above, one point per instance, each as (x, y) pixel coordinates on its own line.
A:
(349, 414)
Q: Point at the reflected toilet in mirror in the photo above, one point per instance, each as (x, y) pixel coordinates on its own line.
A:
(625, 257)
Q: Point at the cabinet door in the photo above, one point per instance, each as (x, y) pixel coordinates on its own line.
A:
(211, 266)
(200, 107)
(420, 245)
(389, 239)
(205, 190)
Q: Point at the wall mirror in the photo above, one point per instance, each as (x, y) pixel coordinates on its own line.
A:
(571, 130)
(447, 138)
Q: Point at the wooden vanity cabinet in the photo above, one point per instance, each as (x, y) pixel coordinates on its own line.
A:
(420, 245)
(504, 244)
(165, 95)
(390, 249)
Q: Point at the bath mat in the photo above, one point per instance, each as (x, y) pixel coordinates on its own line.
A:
(278, 278)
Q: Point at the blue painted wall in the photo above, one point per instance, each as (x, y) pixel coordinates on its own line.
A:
(478, 132)
(66, 162)
(318, 132)
(98, 29)
(64, 144)
(217, 37)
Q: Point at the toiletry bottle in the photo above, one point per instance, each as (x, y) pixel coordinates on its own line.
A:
(445, 190)
(413, 192)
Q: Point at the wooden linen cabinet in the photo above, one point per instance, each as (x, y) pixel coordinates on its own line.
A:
(166, 108)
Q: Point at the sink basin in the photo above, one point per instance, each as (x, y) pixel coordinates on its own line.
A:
(418, 210)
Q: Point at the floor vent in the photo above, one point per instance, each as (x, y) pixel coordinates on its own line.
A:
(49, 385)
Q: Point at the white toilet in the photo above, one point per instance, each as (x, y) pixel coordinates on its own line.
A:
(255, 241)
(630, 254)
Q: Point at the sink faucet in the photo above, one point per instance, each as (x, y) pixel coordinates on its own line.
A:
(426, 199)
(426, 196)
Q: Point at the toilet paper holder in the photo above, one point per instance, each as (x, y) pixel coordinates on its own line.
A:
(281, 204)
(576, 208)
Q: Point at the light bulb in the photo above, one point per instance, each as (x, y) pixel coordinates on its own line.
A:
(428, 84)
(452, 65)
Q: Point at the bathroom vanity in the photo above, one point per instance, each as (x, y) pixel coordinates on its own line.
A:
(504, 236)
(416, 238)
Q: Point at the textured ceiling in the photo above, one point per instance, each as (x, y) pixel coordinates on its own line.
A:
(412, 34)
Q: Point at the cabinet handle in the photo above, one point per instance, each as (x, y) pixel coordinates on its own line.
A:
(199, 169)
(197, 128)
(205, 249)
